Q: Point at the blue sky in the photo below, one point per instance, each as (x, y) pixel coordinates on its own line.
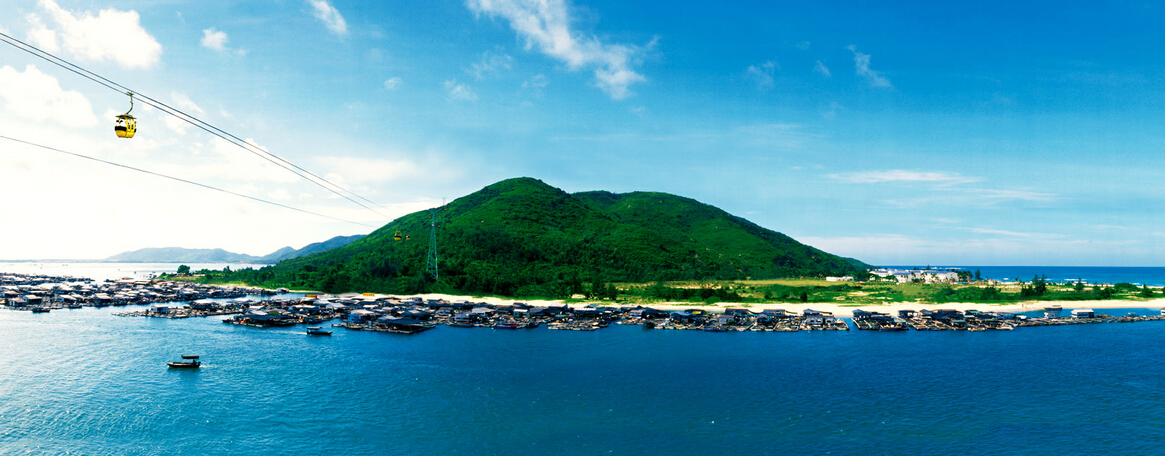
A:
(986, 133)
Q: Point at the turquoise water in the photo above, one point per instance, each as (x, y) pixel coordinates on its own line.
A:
(83, 382)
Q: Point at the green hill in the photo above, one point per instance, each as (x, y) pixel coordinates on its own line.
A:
(522, 237)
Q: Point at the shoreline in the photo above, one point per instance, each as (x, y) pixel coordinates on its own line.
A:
(836, 309)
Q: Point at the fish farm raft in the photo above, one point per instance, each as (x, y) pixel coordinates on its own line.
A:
(260, 308)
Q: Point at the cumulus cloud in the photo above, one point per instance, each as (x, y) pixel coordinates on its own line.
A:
(460, 92)
(216, 40)
(329, 15)
(762, 74)
(393, 83)
(38, 96)
(545, 24)
(862, 67)
(99, 38)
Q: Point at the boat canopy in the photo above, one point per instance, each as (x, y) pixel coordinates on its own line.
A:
(189, 356)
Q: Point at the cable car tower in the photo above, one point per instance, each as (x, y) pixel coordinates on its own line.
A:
(431, 260)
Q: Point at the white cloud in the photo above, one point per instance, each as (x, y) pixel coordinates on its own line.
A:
(762, 74)
(862, 67)
(329, 15)
(356, 171)
(459, 91)
(1014, 234)
(38, 96)
(224, 162)
(490, 63)
(214, 39)
(41, 36)
(393, 83)
(546, 24)
(279, 194)
(899, 175)
(821, 68)
(111, 35)
(1014, 195)
(182, 102)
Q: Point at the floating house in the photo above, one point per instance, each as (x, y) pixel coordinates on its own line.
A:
(818, 318)
(1083, 313)
(647, 313)
(683, 317)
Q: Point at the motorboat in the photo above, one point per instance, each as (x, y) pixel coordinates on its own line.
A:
(188, 362)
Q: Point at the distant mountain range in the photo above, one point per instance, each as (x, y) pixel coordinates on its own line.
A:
(182, 255)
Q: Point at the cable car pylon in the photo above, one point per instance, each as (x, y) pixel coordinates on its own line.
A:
(431, 259)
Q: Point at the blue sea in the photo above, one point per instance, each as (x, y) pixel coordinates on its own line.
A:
(84, 382)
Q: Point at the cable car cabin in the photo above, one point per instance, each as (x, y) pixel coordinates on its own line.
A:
(126, 126)
(397, 236)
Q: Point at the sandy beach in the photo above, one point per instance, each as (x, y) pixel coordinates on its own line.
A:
(843, 311)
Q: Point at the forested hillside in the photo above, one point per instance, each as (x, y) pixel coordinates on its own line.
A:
(522, 237)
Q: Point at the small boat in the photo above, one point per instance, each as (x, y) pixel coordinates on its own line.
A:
(316, 331)
(505, 325)
(39, 310)
(188, 362)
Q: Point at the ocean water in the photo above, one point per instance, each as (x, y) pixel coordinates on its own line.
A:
(83, 382)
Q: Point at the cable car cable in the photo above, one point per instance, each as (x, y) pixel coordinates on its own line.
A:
(179, 179)
(245, 145)
(319, 181)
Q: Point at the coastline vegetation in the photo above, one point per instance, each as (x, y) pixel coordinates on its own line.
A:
(803, 290)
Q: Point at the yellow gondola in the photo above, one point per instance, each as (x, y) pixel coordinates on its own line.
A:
(397, 236)
(127, 125)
